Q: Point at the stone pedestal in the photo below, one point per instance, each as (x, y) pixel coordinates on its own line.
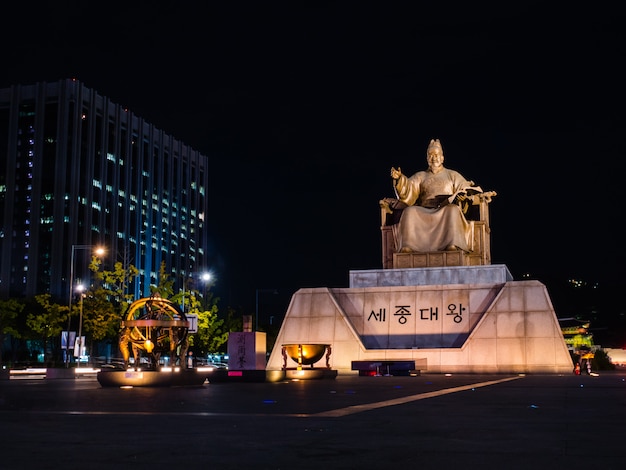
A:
(247, 350)
(150, 378)
(461, 320)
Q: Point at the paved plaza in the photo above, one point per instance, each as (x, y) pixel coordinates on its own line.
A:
(433, 421)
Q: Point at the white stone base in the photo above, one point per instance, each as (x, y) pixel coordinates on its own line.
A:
(501, 327)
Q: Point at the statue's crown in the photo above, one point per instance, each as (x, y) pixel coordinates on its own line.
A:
(435, 143)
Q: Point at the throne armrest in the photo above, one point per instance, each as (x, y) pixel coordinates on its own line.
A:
(482, 200)
(390, 210)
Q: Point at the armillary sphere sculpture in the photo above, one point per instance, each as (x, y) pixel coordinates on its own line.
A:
(154, 326)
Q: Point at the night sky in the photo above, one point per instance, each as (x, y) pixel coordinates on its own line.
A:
(303, 107)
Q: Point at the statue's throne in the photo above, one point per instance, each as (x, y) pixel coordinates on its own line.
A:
(477, 214)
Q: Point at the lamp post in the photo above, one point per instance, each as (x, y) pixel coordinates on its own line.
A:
(205, 277)
(256, 309)
(99, 251)
(80, 288)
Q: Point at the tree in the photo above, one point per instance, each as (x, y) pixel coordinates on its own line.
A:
(233, 320)
(115, 283)
(101, 318)
(50, 322)
(211, 333)
(9, 311)
(165, 288)
(107, 300)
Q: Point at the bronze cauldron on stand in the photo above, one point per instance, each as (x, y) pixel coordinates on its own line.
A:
(306, 354)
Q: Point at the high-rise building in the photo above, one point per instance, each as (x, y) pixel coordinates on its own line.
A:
(79, 171)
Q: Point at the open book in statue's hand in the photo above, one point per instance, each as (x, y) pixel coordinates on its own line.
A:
(459, 195)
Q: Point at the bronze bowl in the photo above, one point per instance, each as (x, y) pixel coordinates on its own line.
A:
(306, 354)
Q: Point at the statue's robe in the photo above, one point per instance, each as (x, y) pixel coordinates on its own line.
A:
(431, 222)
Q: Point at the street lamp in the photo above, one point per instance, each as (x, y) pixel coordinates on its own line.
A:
(256, 310)
(99, 251)
(204, 277)
(80, 288)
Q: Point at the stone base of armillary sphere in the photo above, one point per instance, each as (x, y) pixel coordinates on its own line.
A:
(310, 373)
(176, 377)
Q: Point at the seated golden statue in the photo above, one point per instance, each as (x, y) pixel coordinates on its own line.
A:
(429, 216)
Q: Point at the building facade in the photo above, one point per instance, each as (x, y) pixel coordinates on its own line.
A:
(79, 171)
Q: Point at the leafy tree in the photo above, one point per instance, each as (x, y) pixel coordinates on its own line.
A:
(211, 333)
(9, 311)
(602, 361)
(107, 300)
(49, 323)
(165, 288)
(115, 283)
(101, 318)
(233, 320)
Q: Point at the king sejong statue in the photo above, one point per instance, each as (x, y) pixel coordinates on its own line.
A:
(436, 201)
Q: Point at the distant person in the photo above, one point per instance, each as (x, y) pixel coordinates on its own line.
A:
(190, 360)
(433, 219)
